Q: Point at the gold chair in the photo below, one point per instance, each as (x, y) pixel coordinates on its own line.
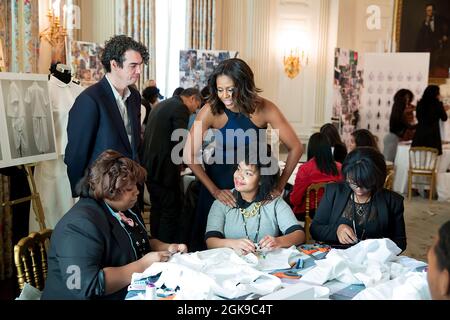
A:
(422, 162)
(30, 258)
(389, 182)
(315, 187)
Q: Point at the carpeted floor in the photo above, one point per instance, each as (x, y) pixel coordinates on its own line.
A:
(423, 219)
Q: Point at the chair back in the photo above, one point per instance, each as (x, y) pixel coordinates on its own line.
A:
(312, 189)
(423, 159)
(422, 162)
(30, 258)
(389, 182)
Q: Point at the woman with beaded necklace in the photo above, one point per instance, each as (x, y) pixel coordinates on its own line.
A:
(360, 208)
(255, 223)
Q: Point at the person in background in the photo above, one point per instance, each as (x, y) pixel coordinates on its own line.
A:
(360, 208)
(236, 110)
(100, 239)
(401, 127)
(320, 167)
(107, 114)
(152, 96)
(164, 181)
(254, 223)
(334, 139)
(439, 264)
(429, 111)
(362, 138)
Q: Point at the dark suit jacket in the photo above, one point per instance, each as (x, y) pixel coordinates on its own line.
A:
(164, 119)
(391, 223)
(95, 125)
(89, 237)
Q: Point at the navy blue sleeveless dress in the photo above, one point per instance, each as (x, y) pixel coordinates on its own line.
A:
(237, 132)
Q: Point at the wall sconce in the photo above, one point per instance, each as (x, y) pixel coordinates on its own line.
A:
(294, 62)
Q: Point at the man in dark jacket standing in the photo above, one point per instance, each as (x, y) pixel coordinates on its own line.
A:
(163, 179)
(107, 114)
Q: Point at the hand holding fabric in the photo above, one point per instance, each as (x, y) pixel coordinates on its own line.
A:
(345, 234)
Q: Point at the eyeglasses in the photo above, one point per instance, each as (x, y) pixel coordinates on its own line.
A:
(355, 186)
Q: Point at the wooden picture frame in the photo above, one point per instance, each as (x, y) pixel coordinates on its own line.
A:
(409, 17)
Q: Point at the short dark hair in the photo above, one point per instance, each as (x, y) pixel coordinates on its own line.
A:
(366, 167)
(320, 149)
(151, 94)
(177, 91)
(365, 138)
(267, 182)
(442, 248)
(189, 92)
(116, 47)
(109, 175)
(245, 94)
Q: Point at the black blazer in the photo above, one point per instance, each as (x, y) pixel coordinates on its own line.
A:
(166, 117)
(95, 125)
(89, 237)
(391, 223)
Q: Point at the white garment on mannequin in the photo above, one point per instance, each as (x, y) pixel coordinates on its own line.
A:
(15, 110)
(50, 176)
(62, 96)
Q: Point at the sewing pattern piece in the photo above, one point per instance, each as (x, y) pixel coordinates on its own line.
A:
(15, 110)
(39, 102)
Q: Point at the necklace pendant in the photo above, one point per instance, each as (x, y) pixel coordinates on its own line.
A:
(251, 213)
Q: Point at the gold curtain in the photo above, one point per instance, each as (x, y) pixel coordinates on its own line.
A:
(201, 24)
(136, 19)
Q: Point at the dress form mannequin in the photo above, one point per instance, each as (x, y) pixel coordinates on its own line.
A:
(51, 178)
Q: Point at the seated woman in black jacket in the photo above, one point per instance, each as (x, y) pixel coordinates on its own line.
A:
(100, 242)
(360, 208)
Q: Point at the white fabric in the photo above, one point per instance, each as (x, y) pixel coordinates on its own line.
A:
(62, 97)
(409, 286)
(211, 274)
(400, 184)
(369, 262)
(54, 190)
(50, 176)
(121, 104)
(39, 105)
(29, 293)
(15, 109)
(299, 291)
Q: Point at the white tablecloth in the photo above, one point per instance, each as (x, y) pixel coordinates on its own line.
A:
(402, 166)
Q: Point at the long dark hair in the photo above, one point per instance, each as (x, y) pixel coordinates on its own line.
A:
(398, 108)
(320, 149)
(245, 95)
(366, 167)
(430, 95)
(331, 133)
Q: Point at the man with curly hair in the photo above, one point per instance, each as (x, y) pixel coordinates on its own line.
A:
(107, 114)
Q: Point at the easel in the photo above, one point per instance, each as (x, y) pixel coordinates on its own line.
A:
(34, 197)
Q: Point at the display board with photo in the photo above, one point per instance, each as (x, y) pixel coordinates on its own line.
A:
(197, 65)
(348, 81)
(384, 75)
(85, 61)
(27, 133)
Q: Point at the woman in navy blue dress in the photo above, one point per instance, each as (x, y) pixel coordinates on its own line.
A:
(238, 116)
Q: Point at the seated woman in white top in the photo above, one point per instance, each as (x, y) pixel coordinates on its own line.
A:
(257, 220)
